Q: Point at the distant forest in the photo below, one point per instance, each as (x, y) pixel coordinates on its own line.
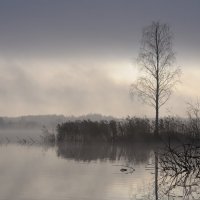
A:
(96, 127)
(49, 121)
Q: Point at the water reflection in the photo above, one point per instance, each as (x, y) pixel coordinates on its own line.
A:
(100, 171)
(29, 172)
(132, 153)
(180, 172)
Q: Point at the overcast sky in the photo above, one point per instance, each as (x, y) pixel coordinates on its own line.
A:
(75, 57)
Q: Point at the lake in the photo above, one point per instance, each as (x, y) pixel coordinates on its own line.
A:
(77, 171)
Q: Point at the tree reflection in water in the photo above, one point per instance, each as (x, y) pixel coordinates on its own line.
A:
(176, 173)
(131, 153)
(180, 172)
(176, 169)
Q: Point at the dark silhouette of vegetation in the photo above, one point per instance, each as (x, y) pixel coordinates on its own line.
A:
(128, 130)
(176, 169)
(193, 111)
(180, 171)
(156, 58)
(106, 131)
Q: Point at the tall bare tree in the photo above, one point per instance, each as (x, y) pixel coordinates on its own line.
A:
(158, 74)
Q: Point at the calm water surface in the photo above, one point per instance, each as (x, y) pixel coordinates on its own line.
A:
(74, 172)
(99, 172)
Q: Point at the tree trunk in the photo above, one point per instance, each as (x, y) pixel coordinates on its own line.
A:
(157, 83)
(157, 105)
(157, 120)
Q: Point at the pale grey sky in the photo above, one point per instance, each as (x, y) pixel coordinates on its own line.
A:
(78, 57)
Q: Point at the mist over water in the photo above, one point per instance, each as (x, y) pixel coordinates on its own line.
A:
(30, 172)
(60, 60)
(98, 171)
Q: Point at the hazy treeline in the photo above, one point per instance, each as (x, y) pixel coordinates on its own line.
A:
(30, 122)
(129, 129)
(50, 121)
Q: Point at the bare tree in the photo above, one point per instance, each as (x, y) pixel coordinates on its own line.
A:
(158, 74)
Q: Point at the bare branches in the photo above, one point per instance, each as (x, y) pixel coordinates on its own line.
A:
(144, 89)
(156, 59)
(180, 168)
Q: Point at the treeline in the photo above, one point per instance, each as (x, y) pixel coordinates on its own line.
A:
(31, 122)
(104, 130)
(129, 129)
(50, 121)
